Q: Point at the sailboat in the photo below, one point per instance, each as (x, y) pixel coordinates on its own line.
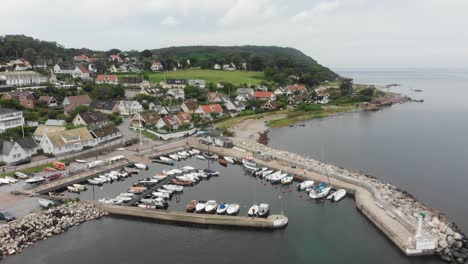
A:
(321, 190)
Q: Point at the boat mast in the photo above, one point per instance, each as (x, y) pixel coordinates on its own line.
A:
(326, 169)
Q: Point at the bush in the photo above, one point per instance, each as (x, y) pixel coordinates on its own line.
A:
(307, 107)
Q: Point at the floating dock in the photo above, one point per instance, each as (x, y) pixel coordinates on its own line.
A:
(271, 222)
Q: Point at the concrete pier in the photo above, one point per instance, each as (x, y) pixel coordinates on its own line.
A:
(271, 222)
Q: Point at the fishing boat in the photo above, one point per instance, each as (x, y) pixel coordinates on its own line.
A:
(73, 189)
(11, 179)
(263, 210)
(191, 206)
(174, 157)
(200, 157)
(337, 196)
(233, 209)
(172, 187)
(21, 175)
(253, 210)
(36, 180)
(222, 162)
(211, 206)
(319, 192)
(141, 166)
(230, 159)
(165, 158)
(287, 180)
(80, 161)
(249, 164)
(130, 170)
(200, 207)
(305, 185)
(222, 208)
(44, 203)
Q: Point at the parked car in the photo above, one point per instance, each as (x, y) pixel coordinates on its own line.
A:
(7, 217)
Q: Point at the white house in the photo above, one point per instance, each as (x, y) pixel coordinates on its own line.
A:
(177, 93)
(105, 134)
(229, 67)
(217, 67)
(15, 151)
(63, 68)
(157, 66)
(80, 72)
(67, 141)
(200, 84)
(22, 78)
(41, 130)
(234, 106)
(127, 108)
(10, 118)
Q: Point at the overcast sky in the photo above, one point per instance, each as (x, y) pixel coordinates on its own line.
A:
(337, 33)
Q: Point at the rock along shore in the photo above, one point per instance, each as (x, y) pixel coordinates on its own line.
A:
(19, 234)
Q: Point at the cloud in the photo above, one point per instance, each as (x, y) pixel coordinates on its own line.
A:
(321, 8)
(170, 21)
(248, 11)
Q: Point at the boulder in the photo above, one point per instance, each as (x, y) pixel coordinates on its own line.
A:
(457, 236)
(449, 231)
(435, 220)
(443, 244)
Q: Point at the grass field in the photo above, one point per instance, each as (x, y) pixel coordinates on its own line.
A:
(234, 77)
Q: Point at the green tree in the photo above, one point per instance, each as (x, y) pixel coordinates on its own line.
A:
(146, 54)
(30, 55)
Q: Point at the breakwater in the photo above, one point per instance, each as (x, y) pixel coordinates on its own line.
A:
(19, 234)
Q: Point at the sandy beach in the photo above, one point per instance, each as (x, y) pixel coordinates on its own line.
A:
(250, 128)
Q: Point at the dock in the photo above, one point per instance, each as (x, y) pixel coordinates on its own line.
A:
(271, 222)
(151, 189)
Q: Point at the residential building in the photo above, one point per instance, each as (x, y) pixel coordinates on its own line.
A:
(145, 119)
(70, 103)
(23, 78)
(116, 58)
(200, 84)
(207, 110)
(162, 110)
(106, 107)
(173, 109)
(131, 80)
(234, 106)
(217, 67)
(291, 89)
(17, 151)
(189, 106)
(25, 98)
(173, 83)
(66, 141)
(84, 58)
(55, 122)
(270, 105)
(176, 93)
(49, 101)
(104, 134)
(107, 78)
(10, 118)
(90, 119)
(81, 72)
(127, 108)
(215, 97)
(157, 66)
(247, 93)
(229, 67)
(184, 118)
(64, 68)
(41, 130)
(171, 122)
(263, 95)
(262, 88)
(279, 91)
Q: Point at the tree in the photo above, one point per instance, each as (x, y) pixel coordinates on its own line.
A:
(256, 63)
(30, 55)
(146, 54)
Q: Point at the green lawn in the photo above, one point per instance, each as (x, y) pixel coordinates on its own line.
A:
(234, 77)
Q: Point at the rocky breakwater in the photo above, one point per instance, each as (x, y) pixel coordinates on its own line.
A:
(17, 235)
(452, 244)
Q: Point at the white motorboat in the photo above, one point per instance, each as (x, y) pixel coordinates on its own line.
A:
(93, 182)
(4, 181)
(249, 164)
(149, 181)
(196, 151)
(106, 178)
(188, 168)
(130, 170)
(124, 198)
(141, 166)
(200, 207)
(229, 159)
(181, 155)
(338, 195)
(319, 192)
(211, 172)
(211, 206)
(36, 180)
(161, 195)
(265, 173)
(113, 177)
(165, 158)
(233, 209)
(305, 185)
(79, 186)
(160, 176)
(172, 187)
(273, 175)
(222, 208)
(259, 171)
(163, 190)
(80, 161)
(11, 179)
(253, 211)
(263, 210)
(73, 189)
(100, 180)
(278, 178)
(21, 175)
(177, 171)
(120, 149)
(200, 157)
(190, 152)
(174, 157)
(126, 194)
(44, 203)
(287, 180)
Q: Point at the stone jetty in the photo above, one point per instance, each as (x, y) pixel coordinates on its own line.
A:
(19, 234)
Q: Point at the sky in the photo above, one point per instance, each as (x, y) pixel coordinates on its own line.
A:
(337, 33)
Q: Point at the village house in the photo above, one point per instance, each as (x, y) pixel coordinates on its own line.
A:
(66, 141)
(81, 72)
(291, 89)
(41, 130)
(189, 106)
(215, 97)
(176, 93)
(200, 84)
(145, 119)
(171, 122)
(234, 106)
(162, 110)
(150, 91)
(229, 67)
(105, 134)
(49, 101)
(157, 66)
(271, 105)
(19, 151)
(10, 118)
(184, 118)
(64, 68)
(70, 103)
(244, 94)
(106, 107)
(173, 83)
(116, 58)
(84, 58)
(279, 91)
(106, 78)
(19, 64)
(127, 108)
(90, 119)
(264, 95)
(25, 78)
(217, 67)
(55, 122)
(25, 98)
(131, 80)
(207, 110)
(297, 99)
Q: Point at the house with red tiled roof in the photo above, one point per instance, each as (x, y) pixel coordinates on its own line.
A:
(157, 66)
(84, 57)
(25, 98)
(207, 110)
(80, 72)
(169, 121)
(184, 118)
(259, 95)
(215, 97)
(71, 102)
(115, 58)
(290, 89)
(106, 78)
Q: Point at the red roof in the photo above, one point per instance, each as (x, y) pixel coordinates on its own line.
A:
(213, 108)
(296, 87)
(170, 120)
(184, 117)
(259, 94)
(83, 69)
(106, 78)
(116, 57)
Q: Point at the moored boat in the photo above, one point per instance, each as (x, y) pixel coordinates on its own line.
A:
(174, 157)
(73, 189)
(253, 210)
(44, 203)
(222, 162)
(211, 206)
(222, 208)
(165, 158)
(305, 185)
(287, 180)
(200, 157)
(172, 187)
(249, 164)
(36, 180)
(80, 161)
(11, 179)
(191, 206)
(263, 210)
(21, 175)
(130, 170)
(319, 192)
(229, 159)
(141, 166)
(338, 195)
(200, 207)
(233, 209)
